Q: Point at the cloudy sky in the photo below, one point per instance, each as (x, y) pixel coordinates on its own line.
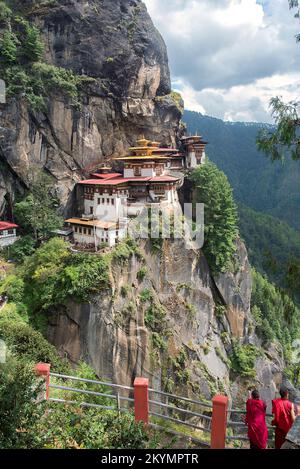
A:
(229, 57)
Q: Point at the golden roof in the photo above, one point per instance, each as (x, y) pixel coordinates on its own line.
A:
(143, 157)
(92, 223)
(143, 142)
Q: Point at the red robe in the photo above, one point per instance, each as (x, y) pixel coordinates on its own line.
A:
(282, 410)
(256, 421)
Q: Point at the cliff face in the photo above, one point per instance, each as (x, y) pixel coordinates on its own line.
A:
(116, 44)
(167, 327)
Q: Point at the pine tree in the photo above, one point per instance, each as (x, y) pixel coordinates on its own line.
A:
(220, 214)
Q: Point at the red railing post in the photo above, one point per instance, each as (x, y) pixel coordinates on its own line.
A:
(141, 400)
(43, 369)
(219, 422)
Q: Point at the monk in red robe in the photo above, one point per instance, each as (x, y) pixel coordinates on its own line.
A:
(284, 416)
(256, 421)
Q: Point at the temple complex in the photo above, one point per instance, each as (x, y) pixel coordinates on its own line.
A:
(151, 175)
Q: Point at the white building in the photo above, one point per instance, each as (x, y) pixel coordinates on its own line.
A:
(91, 233)
(110, 199)
(194, 150)
(8, 233)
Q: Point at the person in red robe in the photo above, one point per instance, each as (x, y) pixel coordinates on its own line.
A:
(256, 421)
(284, 416)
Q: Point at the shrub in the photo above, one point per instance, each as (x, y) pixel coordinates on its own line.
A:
(146, 295)
(69, 427)
(19, 413)
(53, 274)
(13, 287)
(22, 248)
(142, 273)
(29, 344)
(243, 358)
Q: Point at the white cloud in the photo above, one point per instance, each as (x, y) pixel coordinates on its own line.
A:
(229, 57)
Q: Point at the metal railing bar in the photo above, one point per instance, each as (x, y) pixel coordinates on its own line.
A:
(242, 424)
(165, 417)
(168, 406)
(237, 411)
(82, 391)
(181, 398)
(87, 404)
(83, 404)
(93, 381)
(129, 399)
(174, 432)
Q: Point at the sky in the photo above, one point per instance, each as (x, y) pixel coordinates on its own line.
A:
(229, 57)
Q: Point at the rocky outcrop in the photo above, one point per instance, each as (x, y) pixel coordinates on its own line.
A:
(116, 44)
(113, 333)
(235, 289)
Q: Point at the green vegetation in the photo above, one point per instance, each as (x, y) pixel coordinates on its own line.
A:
(50, 276)
(179, 368)
(174, 97)
(286, 137)
(36, 213)
(28, 423)
(242, 359)
(53, 274)
(124, 250)
(21, 64)
(273, 247)
(18, 390)
(214, 191)
(264, 187)
(142, 273)
(276, 315)
(283, 140)
(21, 249)
(146, 295)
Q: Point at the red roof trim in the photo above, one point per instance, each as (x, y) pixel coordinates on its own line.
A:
(106, 175)
(104, 182)
(120, 180)
(5, 225)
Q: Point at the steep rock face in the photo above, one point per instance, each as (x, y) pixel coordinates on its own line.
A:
(112, 332)
(117, 45)
(235, 289)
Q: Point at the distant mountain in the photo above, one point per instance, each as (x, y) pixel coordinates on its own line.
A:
(264, 186)
(271, 243)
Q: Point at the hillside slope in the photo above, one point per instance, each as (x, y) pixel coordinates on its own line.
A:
(267, 187)
(271, 242)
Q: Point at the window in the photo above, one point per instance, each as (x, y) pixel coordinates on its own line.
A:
(84, 230)
(10, 232)
(113, 201)
(76, 229)
(80, 230)
(91, 210)
(117, 233)
(103, 201)
(90, 231)
(99, 201)
(107, 200)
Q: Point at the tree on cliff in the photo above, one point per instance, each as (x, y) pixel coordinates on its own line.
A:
(19, 411)
(285, 139)
(36, 213)
(220, 216)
